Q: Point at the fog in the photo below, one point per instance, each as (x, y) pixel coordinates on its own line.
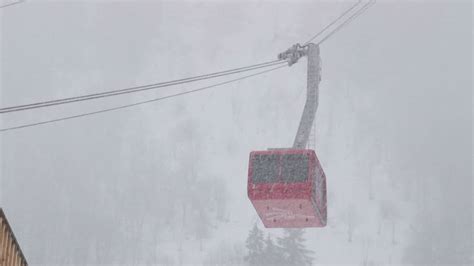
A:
(166, 183)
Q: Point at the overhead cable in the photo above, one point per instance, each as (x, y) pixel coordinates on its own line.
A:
(11, 4)
(333, 22)
(138, 103)
(137, 88)
(179, 81)
(348, 20)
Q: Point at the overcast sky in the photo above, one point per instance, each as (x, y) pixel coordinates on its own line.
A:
(394, 124)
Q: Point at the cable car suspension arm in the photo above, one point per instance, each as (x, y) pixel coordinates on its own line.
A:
(292, 55)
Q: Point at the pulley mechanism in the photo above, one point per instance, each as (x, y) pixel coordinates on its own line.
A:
(293, 53)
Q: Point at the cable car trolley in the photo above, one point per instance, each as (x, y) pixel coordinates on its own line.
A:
(287, 186)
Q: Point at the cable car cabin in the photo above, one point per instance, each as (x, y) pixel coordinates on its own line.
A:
(287, 188)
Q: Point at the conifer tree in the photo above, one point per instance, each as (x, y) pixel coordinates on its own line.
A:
(294, 250)
(255, 246)
(272, 254)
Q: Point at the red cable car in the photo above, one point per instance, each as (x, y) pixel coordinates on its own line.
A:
(287, 187)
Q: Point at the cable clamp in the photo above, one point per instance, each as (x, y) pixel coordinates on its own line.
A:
(293, 54)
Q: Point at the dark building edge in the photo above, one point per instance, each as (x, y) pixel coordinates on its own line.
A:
(2, 214)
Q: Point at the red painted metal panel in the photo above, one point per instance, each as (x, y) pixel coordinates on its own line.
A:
(294, 204)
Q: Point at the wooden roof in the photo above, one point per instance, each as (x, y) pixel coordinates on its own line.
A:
(10, 251)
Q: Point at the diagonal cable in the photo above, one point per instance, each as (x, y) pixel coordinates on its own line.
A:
(137, 88)
(333, 22)
(348, 20)
(139, 103)
(13, 3)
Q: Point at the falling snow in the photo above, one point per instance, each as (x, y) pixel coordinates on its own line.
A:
(166, 183)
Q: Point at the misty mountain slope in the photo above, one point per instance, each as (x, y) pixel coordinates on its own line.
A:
(165, 183)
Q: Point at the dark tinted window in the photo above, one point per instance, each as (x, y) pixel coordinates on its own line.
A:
(265, 168)
(294, 168)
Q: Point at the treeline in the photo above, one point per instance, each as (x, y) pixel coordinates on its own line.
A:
(288, 249)
(264, 249)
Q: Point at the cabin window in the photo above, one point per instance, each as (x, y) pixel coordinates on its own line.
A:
(294, 168)
(265, 168)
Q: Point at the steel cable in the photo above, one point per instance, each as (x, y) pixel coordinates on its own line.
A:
(139, 103)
